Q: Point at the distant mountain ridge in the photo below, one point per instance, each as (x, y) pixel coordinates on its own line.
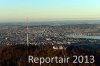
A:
(55, 22)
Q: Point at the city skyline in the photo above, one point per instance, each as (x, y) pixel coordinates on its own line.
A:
(41, 10)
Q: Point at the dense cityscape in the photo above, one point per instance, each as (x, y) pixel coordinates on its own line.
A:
(47, 34)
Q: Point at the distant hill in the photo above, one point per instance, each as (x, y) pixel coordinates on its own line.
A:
(53, 22)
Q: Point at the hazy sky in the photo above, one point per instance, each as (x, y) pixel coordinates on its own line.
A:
(18, 10)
